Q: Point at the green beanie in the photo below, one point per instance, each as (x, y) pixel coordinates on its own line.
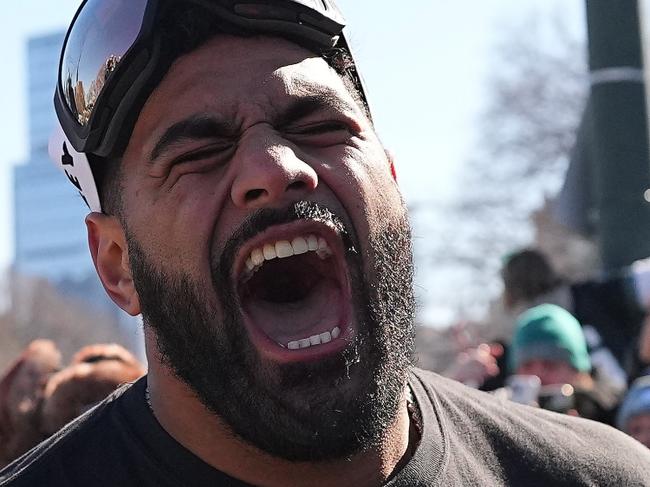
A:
(549, 332)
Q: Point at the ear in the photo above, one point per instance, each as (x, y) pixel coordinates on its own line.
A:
(110, 254)
(391, 161)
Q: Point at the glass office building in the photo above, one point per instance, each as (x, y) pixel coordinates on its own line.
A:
(50, 235)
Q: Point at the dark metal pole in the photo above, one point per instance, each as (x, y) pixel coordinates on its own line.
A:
(620, 137)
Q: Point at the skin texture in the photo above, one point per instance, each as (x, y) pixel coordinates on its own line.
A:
(182, 214)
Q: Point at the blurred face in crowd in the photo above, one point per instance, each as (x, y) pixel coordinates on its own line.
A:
(638, 427)
(270, 248)
(550, 372)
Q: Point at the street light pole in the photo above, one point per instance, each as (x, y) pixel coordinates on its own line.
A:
(620, 132)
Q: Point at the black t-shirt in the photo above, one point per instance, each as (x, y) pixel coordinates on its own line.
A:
(472, 438)
(468, 438)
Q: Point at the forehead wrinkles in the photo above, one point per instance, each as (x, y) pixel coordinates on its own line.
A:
(243, 85)
(285, 67)
(208, 87)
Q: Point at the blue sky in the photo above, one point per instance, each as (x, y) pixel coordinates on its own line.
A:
(425, 64)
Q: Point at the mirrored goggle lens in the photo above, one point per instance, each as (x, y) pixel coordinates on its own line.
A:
(101, 35)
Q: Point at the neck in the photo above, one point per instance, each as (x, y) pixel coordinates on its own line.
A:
(185, 418)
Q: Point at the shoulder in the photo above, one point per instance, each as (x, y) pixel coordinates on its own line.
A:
(75, 446)
(514, 436)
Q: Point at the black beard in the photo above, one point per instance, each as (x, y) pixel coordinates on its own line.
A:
(331, 409)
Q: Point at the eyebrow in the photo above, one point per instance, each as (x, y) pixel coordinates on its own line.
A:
(304, 106)
(196, 127)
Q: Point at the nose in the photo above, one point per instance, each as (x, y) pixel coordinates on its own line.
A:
(269, 169)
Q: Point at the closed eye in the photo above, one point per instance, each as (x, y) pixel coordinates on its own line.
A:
(320, 128)
(320, 134)
(220, 149)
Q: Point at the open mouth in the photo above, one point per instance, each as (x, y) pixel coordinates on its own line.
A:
(294, 290)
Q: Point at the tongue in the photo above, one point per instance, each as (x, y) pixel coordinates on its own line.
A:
(318, 311)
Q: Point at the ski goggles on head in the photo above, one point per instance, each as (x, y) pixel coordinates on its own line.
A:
(111, 58)
(114, 55)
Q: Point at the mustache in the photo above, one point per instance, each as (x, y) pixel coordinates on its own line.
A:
(265, 218)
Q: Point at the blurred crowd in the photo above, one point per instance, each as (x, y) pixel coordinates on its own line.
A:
(558, 355)
(39, 394)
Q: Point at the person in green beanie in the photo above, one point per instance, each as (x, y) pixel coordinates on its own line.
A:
(550, 344)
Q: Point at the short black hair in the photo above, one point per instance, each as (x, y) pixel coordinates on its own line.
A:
(107, 173)
(184, 29)
(527, 275)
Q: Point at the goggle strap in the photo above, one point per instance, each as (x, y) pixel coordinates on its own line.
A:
(75, 166)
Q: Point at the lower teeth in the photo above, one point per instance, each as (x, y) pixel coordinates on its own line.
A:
(314, 340)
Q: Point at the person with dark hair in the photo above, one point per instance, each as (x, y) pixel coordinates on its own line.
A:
(251, 214)
(530, 280)
(527, 277)
(21, 393)
(38, 395)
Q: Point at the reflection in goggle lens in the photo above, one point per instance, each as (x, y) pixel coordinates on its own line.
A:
(100, 37)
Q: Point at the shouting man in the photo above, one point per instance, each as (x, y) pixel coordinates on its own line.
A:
(244, 205)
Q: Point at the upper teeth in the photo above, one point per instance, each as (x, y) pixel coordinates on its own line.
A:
(283, 248)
